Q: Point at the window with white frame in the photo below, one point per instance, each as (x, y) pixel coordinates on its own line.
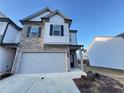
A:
(34, 31)
(57, 30)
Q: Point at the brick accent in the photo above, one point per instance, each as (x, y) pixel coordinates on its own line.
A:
(31, 44)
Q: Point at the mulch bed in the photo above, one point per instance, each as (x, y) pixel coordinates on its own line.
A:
(96, 83)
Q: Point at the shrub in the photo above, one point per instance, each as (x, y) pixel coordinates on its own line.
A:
(97, 75)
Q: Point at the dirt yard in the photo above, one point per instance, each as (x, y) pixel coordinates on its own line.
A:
(113, 73)
(99, 84)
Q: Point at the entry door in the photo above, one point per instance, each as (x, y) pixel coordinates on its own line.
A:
(72, 60)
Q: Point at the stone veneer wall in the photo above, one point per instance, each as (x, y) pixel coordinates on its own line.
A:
(28, 44)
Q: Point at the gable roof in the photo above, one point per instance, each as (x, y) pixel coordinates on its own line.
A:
(5, 19)
(56, 12)
(120, 35)
(47, 17)
(37, 13)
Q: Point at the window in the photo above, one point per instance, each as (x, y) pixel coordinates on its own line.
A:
(70, 38)
(34, 31)
(56, 30)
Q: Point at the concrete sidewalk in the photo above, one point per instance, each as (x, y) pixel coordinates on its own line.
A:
(41, 83)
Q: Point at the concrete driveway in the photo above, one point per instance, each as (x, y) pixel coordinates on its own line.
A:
(40, 83)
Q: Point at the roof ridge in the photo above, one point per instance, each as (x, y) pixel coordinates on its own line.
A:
(37, 13)
(54, 12)
(120, 35)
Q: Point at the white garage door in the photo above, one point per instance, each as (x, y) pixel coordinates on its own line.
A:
(42, 63)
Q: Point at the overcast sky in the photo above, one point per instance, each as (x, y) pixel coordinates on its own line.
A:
(90, 17)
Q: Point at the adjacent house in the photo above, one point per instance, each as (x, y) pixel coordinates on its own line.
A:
(47, 44)
(9, 39)
(107, 52)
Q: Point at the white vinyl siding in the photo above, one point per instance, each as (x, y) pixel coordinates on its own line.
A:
(49, 39)
(107, 52)
(12, 35)
(2, 27)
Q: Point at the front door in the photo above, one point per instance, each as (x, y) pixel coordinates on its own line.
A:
(72, 60)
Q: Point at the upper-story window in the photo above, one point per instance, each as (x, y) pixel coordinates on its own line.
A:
(56, 30)
(73, 38)
(34, 31)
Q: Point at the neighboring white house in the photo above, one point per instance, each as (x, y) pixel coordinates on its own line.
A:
(9, 39)
(45, 44)
(107, 52)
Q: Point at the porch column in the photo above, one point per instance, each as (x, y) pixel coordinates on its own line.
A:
(68, 60)
(81, 58)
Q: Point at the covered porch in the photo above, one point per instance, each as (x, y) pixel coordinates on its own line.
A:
(76, 57)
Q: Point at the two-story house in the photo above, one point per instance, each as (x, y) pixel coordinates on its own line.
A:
(47, 44)
(9, 39)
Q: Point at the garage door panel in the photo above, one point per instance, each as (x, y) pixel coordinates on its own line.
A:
(42, 63)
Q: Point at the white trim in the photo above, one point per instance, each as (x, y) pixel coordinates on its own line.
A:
(31, 31)
(14, 63)
(109, 37)
(81, 59)
(19, 61)
(58, 43)
(66, 60)
(53, 33)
